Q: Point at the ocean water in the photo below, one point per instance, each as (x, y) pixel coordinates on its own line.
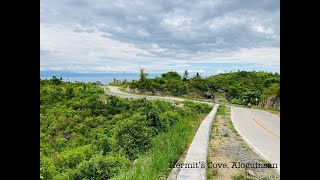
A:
(103, 80)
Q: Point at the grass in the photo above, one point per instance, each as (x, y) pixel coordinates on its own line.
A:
(230, 124)
(241, 177)
(274, 111)
(244, 177)
(213, 172)
(118, 84)
(263, 161)
(222, 110)
(166, 150)
(220, 97)
(123, 89)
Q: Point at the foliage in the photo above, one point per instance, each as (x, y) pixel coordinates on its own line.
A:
(272, 90)
(250, 96)
(143, 74)
(185, 75)
(239, 87)
(171, 75)
(171, 83)
(85, 134)
(166, 150)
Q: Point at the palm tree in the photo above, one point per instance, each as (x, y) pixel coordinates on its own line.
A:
(250, 96)
(185, 76)
(197, 75)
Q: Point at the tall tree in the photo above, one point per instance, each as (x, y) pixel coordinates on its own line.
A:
(197, 75)
(185, 75)
(143, 74)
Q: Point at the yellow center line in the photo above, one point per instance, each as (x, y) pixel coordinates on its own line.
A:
(264, 127)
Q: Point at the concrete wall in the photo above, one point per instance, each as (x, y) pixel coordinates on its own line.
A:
(198, 150)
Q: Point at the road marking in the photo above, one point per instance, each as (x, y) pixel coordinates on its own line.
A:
(264, 127)
(252, 146)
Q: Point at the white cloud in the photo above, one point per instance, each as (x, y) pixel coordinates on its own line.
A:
(143, 33)
(263, 29)
(219, 71)
(196, 70)
(176, 22)
(92, 52)
(263, 56)
(84, 47)
(100, 35)
(222, 22)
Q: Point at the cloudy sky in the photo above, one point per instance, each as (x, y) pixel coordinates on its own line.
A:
(206, 36)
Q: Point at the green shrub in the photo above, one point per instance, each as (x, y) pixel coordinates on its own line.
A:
(100, 167)
(236, 101)
(47, 167)
(133, 136)
(172, 117)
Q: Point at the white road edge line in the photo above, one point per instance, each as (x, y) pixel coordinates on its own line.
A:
(251, 145)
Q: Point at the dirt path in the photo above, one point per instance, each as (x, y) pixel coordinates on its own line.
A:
(226, 146)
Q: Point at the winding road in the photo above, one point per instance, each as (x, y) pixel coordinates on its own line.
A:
(114, 90)
(260, 129)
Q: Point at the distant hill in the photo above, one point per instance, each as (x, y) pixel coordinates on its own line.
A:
(239, 87)
(249, 85)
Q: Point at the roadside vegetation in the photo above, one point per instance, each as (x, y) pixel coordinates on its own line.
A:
(86, 134)
(242, 87)
(274, 111)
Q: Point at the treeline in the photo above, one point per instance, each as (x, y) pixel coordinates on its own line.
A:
(86, 134)
(171, 83)
(239, 87)
(243, 87)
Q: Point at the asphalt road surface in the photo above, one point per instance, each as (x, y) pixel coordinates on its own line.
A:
(260, 129)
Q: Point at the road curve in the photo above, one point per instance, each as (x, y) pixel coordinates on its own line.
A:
(261, 130)
(114, 90)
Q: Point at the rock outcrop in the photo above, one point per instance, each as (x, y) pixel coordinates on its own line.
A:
(270, 102)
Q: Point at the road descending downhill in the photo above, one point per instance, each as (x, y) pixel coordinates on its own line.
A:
(259, 129)
(114, 90)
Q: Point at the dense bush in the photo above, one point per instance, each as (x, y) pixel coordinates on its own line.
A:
(235, 85)
(85, 134)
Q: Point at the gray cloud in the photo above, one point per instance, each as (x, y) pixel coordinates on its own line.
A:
(170, 29)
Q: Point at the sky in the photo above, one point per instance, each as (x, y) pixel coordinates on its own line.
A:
(206, 36)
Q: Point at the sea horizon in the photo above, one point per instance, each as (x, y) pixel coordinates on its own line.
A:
(104, 78)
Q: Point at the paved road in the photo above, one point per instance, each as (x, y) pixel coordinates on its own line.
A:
(261, 130)
(114, 90)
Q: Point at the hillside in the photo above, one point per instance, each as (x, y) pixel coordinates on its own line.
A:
(85, 133)
(242, 87)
